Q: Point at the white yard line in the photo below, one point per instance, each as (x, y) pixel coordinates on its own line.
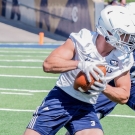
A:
(25, 60)
(123, 116)
(43, 56)
(15, 110)
(34, 77)
(13, 93)
(23, 110)
(23, 90)
(19, 67)
(25, 51)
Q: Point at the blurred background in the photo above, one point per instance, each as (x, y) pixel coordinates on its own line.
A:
(55, 18)
(29, 31)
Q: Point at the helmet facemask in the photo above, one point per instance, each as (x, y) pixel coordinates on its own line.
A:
(125, 42)
(119, 39)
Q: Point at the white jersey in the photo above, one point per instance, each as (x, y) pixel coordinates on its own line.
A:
(85, 47)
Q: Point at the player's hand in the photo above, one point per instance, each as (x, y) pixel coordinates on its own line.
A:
(99, 86)
(90, 68)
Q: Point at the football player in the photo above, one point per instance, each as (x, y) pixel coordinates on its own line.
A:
(104, 105)
(112, 46)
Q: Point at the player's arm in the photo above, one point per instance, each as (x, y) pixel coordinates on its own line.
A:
(60, 60)
(121, 92)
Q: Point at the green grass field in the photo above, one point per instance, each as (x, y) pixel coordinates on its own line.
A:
(23, 85)
(127, 1)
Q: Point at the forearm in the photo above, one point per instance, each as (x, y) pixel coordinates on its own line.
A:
(59, 65)
(116, 94)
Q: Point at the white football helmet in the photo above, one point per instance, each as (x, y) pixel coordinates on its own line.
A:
(118, 29)
(131, 8)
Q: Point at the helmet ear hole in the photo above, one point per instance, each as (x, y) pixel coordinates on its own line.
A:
(107, 38)
(120, 33)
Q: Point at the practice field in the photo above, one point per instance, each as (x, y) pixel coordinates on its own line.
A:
(23, 85)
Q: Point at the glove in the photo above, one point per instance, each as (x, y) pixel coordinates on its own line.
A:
(99, 86)
(90, 68)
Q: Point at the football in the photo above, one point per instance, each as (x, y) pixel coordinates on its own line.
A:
(81, 83)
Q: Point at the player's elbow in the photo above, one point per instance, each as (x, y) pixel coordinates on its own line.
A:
(124, 96)
(46, 67)
(123, 100)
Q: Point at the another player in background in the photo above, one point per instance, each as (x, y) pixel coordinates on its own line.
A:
(122, 2)
(110, 45)
(113, 2)
(116, 2)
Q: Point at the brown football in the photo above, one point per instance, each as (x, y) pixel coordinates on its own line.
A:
(81, 83)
